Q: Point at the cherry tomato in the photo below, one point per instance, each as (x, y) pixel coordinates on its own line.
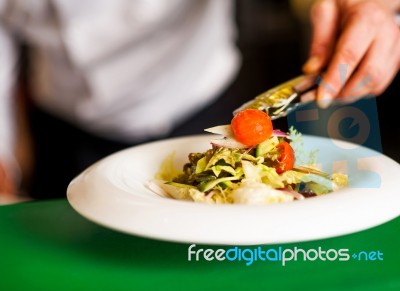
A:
(251, 126)
(286, 158)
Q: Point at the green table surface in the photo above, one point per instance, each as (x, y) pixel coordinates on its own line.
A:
(46, 245)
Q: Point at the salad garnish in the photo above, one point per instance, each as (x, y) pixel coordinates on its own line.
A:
(250, 163)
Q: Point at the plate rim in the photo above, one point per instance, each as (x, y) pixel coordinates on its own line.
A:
(195, 237)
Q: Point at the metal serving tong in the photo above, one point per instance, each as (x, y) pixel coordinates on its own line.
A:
(284, 98)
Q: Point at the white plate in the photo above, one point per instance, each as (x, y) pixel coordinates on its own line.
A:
(113, 193)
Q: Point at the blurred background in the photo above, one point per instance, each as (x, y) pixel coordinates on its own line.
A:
(273, 38)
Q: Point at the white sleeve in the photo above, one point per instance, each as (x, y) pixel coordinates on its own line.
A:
(8, 72)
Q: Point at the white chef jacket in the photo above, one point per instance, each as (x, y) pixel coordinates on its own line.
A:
(122, 69)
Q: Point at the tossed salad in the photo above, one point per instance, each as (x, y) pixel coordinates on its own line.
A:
(251, 164)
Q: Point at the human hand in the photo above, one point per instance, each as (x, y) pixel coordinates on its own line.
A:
(363, 36)
(7, 187)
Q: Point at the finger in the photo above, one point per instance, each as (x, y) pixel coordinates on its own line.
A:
(377, 69)
(309, 96)
(324, 20)
(351, 48)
